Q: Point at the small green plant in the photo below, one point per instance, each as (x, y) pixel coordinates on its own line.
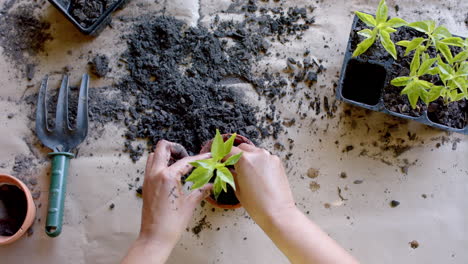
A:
(381, 27)
(214, 167)
(452, 71)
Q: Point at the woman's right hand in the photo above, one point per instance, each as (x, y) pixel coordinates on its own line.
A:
(262, 185)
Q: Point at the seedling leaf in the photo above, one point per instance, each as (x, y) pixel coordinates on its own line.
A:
(382, 12)
(400, 81)
(233, 159)
(411, 45)
(387, 43)
(415, 62)
(445, 50)
(462, 56)
(434, 93)
(367, 33)
(452, 41)
(425, 66)
(363, 46)
(412, 93)
(441, 32)
(226, 176)
(217, 147)
(396, 22)
(422, 26)
(200, 176)
(217, 187)
(369, 20)
(207, 164)
(228, 144)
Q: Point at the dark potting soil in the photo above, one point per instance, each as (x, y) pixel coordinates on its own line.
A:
(86, 12)
(454, 114)
(393, 100)
(100, 65)
(22, 35)
(228, 198)
(13, 213)
(176, 75)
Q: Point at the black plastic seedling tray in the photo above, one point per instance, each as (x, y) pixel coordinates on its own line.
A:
(365, 88)
(65, 7)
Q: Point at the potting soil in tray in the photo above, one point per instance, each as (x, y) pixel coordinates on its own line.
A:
(367, 80)
(13, 207)
(86, 12)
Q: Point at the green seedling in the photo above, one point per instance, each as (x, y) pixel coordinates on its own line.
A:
(452, 70)
(437, 36)
(416, 88)
(381, 28)
(206, 169)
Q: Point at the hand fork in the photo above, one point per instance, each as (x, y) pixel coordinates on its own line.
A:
(61, 139)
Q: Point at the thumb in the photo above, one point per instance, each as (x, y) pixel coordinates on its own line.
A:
(196, 196)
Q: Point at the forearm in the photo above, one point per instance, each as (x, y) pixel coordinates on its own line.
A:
(145, 250)
(302, 241)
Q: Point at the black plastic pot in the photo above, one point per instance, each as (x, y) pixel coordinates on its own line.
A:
(362, 83)
(65, 6)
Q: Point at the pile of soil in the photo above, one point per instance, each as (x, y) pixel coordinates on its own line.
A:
(86, 12)
(177, 78)
(22, 35)
(453, 114)
(13, 208)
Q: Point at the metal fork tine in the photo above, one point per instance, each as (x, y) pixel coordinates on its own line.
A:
(61, 115)
(82, 114)
(41, 111)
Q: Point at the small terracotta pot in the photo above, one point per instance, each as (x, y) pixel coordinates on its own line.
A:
(206, 148)
(30, 213)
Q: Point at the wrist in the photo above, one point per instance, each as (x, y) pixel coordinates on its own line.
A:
(279, 216)
(152, 242)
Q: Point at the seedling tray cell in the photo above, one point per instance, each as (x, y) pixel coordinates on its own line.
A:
(93, 28)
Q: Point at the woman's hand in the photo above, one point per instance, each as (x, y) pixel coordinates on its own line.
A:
(166, 209)
(262, 184)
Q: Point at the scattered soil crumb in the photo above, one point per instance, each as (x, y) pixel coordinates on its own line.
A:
(455, 142)
(348, 148)
(394, 203)
(414, 244)
(201, 225)
(343, 175)
(312, 173)
(327, 205)
(340, 195)
(314, 186)
(358, 181)
(100, 65)
(111, 206)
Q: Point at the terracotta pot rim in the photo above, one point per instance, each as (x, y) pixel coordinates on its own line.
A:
(30, 213)
(203, 150)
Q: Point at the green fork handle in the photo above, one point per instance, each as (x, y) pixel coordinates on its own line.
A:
(58, 182)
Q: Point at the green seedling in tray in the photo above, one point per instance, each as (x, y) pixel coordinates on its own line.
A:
(381, 27)
(451, 69)
(206, 169)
